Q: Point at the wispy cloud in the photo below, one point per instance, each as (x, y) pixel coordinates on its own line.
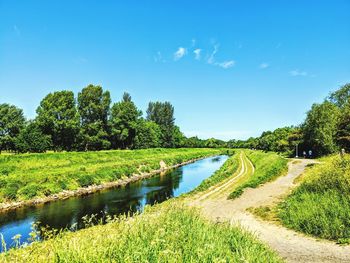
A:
(193, 41)
(226, 64)
(211, 58)
(17, 30)
(158, 57)
(180, 53)
(197, 53)
(264, 65)
(297, 72)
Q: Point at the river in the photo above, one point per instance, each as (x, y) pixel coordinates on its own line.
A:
(128, 199)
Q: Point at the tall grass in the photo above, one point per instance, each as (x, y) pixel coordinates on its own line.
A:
(169, 232)
(27, 176)
(320, 206)
(267, 166)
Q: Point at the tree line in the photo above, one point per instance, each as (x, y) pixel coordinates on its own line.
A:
(325, 130)
(89, 122)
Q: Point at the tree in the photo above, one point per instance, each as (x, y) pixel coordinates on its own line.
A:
(31, 139)
(343, 133)
(11, 123)
(162, 113)
(148, 135)
(93, 107)
(320, 128)
(123, 122)
(341, 96)
(58, 117)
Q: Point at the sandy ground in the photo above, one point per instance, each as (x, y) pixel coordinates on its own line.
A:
(290, 245)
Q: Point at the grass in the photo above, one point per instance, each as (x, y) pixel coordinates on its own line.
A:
(268, 166)
(320, 206)
(169, 232)
(27, 176)
(225, 171)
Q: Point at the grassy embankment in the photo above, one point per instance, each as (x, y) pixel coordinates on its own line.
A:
(320, 206)
(268, 166)
(27, 176)
(168, 232)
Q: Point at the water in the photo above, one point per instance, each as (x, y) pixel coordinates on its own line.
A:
(131, 198)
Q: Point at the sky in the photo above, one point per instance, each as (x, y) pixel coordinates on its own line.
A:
(232, 69)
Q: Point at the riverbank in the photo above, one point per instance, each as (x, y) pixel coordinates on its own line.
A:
(163, 159)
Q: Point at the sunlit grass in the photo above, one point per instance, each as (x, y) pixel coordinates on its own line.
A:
(26, 176)
(320, 206)
(170, 232)
(268, 166)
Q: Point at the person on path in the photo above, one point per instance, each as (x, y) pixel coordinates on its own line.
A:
(310, 154)
(304, 154)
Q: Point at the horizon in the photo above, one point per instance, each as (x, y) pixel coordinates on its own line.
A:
(231, 76)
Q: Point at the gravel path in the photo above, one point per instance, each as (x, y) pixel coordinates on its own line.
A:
(291, 246)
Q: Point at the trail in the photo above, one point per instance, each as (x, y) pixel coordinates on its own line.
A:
(290, 245)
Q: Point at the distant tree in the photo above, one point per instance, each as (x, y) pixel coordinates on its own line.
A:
(320, 128)
(58, 117)
(343, 132)
(341, 96)
(162, 113)
(11, 123)
(31, 139)
(148, 135)
(93, 107)
(123, 122)
(194, 142)
(179, 138)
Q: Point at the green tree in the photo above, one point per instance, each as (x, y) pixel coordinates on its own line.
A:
(341, 96)
(123, 122)
(162, 113)
(93, 107)
(58, 117)
(11, 123)
(320, 128)
(32, 139)
(148, 135)
(343, 133)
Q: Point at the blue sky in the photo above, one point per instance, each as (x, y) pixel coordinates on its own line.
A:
(232, 69)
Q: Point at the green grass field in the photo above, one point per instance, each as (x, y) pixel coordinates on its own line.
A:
(320, 206)
(27, 176)
(268, 166)
(169, 232)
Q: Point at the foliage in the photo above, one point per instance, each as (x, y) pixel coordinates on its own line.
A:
(320, 206)
(123, 122)
(148, 135)
(55, 172)
(11, 123)
(268, 166)
(320, 128)
(31, 139)
(58, 117)
(93, 106)
(162, 113)
(170, 232)
(343, 133)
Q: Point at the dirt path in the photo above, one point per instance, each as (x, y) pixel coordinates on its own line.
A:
(292, 246)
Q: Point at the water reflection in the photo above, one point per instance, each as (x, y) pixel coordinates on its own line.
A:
(130, 198)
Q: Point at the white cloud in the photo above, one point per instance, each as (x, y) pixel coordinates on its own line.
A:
(298, 72)
(226, 64)
(211, 58)
(181, 52)
(197, 53)
(264, 65)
